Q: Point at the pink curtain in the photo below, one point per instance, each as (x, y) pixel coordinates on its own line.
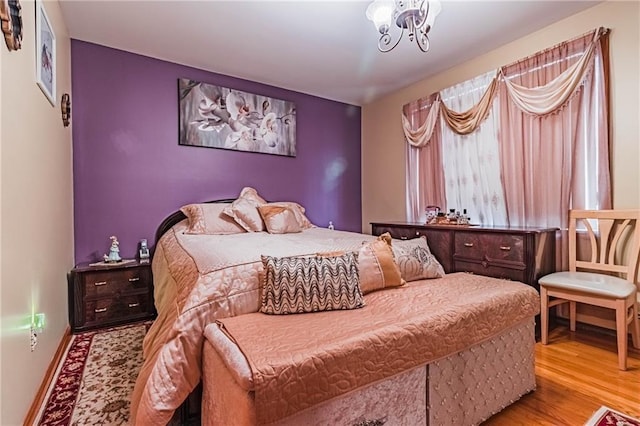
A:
(425, 176)
(544, 169)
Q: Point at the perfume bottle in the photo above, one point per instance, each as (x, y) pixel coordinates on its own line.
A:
(463, 219)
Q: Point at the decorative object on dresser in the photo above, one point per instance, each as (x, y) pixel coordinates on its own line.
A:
(114, 251)
(514, 253)
(101, 296)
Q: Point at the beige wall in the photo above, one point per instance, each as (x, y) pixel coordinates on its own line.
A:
(36, 213)
(383, 149)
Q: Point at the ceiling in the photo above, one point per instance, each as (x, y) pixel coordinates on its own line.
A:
(323, 48)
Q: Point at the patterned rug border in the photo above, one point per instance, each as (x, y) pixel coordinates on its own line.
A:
(62, 395)
(606, 416)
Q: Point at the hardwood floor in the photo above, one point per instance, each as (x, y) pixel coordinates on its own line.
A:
(576, 373)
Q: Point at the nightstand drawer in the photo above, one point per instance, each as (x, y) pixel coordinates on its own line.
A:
(107, 283)
(105, 311)
(489, 247)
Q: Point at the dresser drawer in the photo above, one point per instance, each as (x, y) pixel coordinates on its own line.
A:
(400, 233)
(108, 283)
(490, 270)
(481, 246)
(117, 309)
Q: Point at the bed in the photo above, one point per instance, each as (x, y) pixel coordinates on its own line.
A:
(450, 350)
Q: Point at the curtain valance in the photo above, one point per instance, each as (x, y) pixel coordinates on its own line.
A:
(540, 100)
(467, 122)
(421, 136)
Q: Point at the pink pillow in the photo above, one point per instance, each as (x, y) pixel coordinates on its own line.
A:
(279, 219)
(244, 210)
(298, 211)
(209, 219)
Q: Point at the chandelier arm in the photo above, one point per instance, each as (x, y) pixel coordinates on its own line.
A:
(422, 40)
(423, 16)
(385, 41)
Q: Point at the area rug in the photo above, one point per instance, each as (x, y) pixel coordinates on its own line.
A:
(606, 416)
(94, 382)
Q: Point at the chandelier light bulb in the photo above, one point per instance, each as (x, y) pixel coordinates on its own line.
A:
(380, 13)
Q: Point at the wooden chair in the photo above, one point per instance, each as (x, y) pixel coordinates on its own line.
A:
(614, 250)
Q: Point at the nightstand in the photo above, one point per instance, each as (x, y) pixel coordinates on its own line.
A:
(101, 296)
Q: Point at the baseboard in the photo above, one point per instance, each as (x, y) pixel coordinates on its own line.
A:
(32, 414)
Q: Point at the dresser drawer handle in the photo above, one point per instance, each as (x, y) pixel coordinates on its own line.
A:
(468, 244)
(404, 237)
(134, 305)
(100, 310)
(99, 283)
(132, 280)
(505, 248)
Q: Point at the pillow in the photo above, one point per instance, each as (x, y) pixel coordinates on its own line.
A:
(415, 259)
(244, 210)
(377, 267)
(279, 219)
(298, 210)
(209, 219)
(310, 284)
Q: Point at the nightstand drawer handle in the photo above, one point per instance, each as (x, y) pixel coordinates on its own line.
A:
(468, 244)
(100, 310)
(99, 283)
(134, 305)
(505, 248)
(404, 237)
(132, 280)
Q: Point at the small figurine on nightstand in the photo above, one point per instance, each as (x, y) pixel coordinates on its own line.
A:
(114, 251)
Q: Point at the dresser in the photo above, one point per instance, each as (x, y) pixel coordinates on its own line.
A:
(101, 296)
(515, 253)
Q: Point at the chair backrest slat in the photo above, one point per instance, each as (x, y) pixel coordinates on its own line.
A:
(614, 243)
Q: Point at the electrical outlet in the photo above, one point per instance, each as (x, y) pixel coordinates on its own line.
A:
(33, 338)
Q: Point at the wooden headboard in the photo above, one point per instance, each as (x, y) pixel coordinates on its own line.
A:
(178, 216)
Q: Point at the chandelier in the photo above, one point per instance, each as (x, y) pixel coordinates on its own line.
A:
(414, 16)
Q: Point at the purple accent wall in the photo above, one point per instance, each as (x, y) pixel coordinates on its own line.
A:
(129, 172)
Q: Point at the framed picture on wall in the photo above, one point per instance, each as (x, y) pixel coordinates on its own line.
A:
(45, 54)
(220, 117)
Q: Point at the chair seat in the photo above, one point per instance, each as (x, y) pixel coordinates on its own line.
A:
(589, 282)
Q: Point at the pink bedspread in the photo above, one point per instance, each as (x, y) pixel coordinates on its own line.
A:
(197, 280)
(298, 361)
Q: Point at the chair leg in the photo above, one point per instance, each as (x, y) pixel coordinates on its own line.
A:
(544, 315)
(621, 328)
(635, 326)
(572, 315)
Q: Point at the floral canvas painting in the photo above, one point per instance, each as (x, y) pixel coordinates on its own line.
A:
(219, 117)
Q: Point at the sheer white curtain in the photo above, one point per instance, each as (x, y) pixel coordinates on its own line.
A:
(471, 162)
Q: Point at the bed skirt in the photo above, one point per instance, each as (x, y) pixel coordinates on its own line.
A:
(463, 388)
